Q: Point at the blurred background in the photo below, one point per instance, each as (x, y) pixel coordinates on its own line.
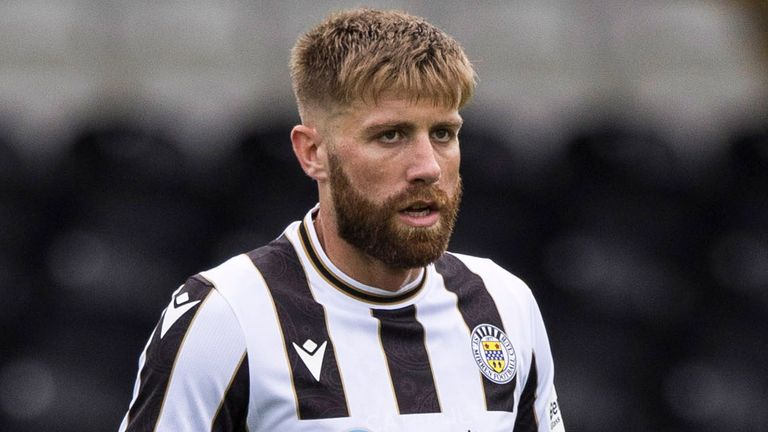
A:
(615, 157)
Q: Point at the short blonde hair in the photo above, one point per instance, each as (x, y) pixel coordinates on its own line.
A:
(361, 53)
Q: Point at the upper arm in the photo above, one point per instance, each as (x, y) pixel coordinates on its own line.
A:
(193, 374)
(546, 404)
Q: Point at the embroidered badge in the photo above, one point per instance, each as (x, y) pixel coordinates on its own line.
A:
(493, 353)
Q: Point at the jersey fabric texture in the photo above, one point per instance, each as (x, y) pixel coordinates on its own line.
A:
(279, 339)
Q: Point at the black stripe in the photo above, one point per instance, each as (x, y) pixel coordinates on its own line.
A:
(402, 338)
(526, 416)
(233, 411)
(477, 307)
(345, 287)
(160, 358)
(301, 319)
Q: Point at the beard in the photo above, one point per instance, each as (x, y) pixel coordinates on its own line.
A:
(374, 228)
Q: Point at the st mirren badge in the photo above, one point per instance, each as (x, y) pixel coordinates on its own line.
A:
(494, 353)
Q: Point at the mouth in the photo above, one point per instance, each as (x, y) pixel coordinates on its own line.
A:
(420, 213)
(420, 208)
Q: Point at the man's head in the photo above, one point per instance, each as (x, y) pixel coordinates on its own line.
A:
(379, 94)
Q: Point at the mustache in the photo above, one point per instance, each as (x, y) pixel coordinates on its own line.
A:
(430, 193)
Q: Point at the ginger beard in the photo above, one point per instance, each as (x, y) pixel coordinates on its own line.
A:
(375, 229)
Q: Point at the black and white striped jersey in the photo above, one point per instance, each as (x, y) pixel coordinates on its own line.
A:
(279, 339)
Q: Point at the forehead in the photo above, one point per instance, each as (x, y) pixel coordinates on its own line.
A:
(394, 108)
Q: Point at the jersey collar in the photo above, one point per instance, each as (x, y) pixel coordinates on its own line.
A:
(344, 283)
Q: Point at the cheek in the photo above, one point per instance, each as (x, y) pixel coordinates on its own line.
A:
(370, 180)
(378, 185)
(450, 169)
(373, 172)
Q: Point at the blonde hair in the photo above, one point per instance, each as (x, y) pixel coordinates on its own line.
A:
(361, 53)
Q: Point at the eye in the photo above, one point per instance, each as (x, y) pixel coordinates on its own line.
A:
(390, 136)
(442, 135)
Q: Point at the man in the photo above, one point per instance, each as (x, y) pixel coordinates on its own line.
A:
(355, 318)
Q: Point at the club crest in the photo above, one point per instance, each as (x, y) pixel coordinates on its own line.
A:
(493, 353)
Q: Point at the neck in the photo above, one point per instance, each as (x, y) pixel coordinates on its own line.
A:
(356, 263)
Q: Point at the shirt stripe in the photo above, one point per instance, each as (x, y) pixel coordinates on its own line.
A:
(302, 321)
(477, 307)
(136, 385)
(402, 338)
(232, 414)
(526, 420)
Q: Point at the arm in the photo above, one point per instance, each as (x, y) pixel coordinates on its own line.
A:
(193, 373)
(546, 405)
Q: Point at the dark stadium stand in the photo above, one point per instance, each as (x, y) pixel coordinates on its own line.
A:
(642, 229)
(637, 269)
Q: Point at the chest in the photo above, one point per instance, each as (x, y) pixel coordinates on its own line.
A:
(444, 363)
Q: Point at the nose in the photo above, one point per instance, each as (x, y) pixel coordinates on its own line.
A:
(423, 165)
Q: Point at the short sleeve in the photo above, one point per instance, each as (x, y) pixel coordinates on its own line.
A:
(546, 405)
(193, 373)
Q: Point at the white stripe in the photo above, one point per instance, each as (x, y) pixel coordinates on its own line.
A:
(361, 360)
(457, 378)
(242, 285)
(209, 356)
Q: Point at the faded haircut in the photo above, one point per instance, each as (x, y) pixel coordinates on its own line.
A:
(362, 53)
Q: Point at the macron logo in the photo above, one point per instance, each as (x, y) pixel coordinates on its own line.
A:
(312, 356)
(178, 307)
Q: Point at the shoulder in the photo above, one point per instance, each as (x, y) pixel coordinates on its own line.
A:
(513, 298)
(196, 312)
(239, 269)
(194, 363)
(490, 272)
(241, 280)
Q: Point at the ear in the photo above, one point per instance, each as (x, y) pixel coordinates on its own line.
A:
(310, 151)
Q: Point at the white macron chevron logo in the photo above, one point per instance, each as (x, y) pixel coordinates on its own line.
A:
(312, 356)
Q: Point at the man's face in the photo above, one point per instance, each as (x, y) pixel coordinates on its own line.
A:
(394, 179)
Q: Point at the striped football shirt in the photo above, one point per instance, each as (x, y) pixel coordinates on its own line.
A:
(279, 339)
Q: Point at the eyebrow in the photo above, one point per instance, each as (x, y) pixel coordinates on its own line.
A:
(451, 124)
(378, 127)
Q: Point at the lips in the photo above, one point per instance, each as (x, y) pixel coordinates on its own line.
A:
(417, 213)
(420, 208)
(420, 214)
